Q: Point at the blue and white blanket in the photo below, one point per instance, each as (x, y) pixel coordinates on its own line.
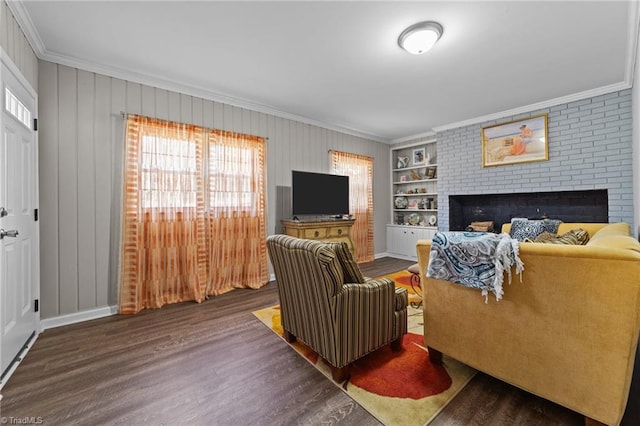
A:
(474, 259)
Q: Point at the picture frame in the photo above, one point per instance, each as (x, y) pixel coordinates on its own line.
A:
(518, 141)
(430, 173)
(419, 157)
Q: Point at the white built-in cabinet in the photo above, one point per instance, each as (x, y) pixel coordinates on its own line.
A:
(401, 240)
(414, 197)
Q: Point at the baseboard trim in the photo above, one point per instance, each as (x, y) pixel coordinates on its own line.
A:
(77, 317)
(403, 257)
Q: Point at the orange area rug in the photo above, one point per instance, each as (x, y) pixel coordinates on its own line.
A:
(398, 388)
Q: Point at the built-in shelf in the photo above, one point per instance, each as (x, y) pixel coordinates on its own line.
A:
(419, 175)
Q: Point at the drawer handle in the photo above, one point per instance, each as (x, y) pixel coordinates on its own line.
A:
(339, 231)
(317, 234)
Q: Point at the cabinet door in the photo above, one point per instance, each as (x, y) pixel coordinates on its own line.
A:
(429, 233)
(411, 237)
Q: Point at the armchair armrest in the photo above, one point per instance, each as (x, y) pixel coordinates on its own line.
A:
(365, 314)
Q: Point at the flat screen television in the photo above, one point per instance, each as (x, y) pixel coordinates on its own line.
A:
(319, 194)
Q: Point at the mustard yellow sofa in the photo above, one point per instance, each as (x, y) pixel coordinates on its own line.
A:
(568, 333)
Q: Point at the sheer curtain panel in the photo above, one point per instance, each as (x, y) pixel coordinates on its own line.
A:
(359, 168)
(236, 220)
(169, 208)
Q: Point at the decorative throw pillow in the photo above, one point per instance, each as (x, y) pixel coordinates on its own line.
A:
(349, 266)
(551, 225)
(575, 236)
(522, 230)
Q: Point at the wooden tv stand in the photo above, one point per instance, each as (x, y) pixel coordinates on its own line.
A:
(322, 230)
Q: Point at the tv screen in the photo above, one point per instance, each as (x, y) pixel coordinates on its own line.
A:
(319, 194)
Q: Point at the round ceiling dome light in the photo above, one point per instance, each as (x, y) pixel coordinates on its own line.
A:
(420, 37)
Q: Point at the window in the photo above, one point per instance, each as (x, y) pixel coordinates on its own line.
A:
(230, 177)
(16, 108)
(168, 172)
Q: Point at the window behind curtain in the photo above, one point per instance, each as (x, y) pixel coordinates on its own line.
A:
(360, 171)
(193, 213)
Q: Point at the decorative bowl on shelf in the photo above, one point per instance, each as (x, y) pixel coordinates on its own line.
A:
(433, 220)
(413, 219)
(401, 202)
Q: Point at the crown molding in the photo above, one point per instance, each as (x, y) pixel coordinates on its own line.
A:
(540, 105)
(429, 134)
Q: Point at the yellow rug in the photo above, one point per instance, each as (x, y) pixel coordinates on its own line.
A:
(398, 388)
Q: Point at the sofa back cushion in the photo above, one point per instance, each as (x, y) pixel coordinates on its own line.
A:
(616, 241)
(620, 228)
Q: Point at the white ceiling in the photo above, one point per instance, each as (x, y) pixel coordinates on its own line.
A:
(338, 65)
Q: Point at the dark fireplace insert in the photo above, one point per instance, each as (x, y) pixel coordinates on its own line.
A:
(586, 206)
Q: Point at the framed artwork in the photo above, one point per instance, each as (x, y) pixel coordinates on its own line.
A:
(520, 141)
(430, 173)
(418, 157)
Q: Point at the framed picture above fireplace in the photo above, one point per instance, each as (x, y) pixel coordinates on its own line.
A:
(520, 141)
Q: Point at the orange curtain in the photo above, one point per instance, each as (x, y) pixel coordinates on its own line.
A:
(236, 220)
(166, 240)
(360, 171)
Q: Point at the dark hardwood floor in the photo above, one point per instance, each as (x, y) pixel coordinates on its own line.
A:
(215, 364)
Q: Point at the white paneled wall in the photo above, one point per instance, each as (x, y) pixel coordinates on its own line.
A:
(16, 46)
(81, 137)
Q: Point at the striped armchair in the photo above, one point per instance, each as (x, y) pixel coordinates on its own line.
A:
(327, 303)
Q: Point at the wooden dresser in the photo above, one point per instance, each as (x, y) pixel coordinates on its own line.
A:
(327, 230)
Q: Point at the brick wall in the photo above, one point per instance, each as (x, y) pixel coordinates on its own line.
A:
(590, 143)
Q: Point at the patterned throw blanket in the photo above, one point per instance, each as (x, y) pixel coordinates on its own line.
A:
(474, 259)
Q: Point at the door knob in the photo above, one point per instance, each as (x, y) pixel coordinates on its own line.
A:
(13, 233)
(3, 212)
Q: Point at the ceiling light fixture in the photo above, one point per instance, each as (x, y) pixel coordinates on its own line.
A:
(420, 37)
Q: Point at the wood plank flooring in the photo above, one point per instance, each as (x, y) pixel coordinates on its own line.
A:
(215, 364)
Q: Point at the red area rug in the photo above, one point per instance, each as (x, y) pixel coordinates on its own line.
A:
(398, 388)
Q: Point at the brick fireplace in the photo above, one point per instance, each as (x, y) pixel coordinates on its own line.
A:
(568, 206)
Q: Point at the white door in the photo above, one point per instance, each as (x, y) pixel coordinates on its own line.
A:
(19, 258)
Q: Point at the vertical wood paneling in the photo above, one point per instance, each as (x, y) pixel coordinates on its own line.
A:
(81, 165)
(134, 98)
(86, 192)
(186, 112)
(174, 106)
(218, 115)
(68, 189)
(17, 47)
(48, 181)
(103, 184)
(196, 111)
(116, 138)
(207, 112)
(162, 104)
(148, 101)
